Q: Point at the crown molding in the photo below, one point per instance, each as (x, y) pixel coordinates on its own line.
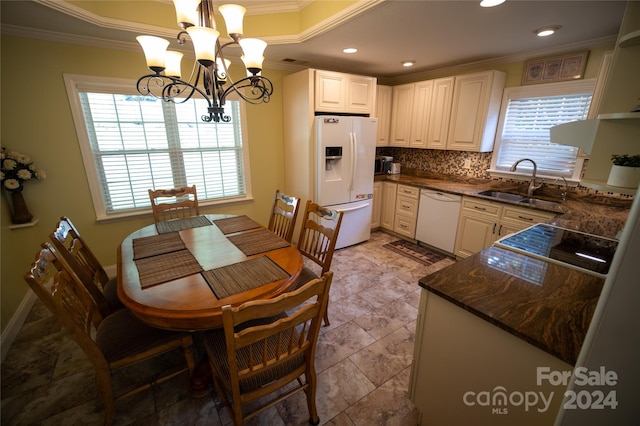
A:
(102, 43)
(338, 19)
(259, 8)
(105, 22)
(59, 37)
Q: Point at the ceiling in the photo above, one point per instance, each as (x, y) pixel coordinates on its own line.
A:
(436, 34)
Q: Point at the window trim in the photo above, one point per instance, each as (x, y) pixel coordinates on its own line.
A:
(539, 90)
(74, 84)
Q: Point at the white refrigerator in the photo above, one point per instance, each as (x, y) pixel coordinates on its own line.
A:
(345, 152)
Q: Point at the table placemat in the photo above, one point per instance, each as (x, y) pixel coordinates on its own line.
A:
(229, 225)
(166, 267)
(180, 224)
(232, 279)
(157, 244)
(256, 242)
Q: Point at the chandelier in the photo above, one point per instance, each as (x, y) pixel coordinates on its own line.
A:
(209, 77)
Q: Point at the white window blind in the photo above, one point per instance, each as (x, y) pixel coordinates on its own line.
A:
(524, 132)
(136, 143)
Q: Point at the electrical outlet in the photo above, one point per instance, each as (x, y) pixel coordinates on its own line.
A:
(467, 163)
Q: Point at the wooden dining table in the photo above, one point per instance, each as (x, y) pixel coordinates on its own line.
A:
(177, 275)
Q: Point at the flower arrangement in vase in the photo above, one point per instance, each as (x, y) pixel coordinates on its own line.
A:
(625, 171)
(17, 169)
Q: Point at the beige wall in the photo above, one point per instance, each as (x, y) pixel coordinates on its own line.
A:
(36, 120)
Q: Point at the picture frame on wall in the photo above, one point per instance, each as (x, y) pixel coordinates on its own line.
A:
(556, 68)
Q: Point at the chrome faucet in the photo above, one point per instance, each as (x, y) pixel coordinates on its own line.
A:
(532, 183)
(563, 194)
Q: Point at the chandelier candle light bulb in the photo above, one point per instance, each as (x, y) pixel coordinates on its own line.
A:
(186, 12)
(204, 42)
(233, 16)
(172, 63)
(155, 50)
(211, 81)
(253, 49)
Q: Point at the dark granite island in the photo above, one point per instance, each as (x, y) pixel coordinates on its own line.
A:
(495, 334)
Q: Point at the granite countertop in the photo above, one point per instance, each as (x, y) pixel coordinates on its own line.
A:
(593, 214)
(547, 305)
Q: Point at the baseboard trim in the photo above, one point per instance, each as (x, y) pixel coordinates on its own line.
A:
(15, 324)
(111, 270)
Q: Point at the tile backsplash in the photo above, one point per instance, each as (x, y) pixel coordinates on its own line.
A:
(452, 163)
(441, 161)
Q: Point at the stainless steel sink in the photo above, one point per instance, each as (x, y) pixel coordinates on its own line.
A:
(520, 199)
(535, 202)
(502, 196)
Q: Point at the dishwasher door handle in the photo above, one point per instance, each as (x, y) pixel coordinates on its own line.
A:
(441, 197)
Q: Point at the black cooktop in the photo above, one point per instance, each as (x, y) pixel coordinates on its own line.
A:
(589, 253)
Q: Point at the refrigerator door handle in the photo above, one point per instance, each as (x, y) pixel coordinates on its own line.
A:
(354, 154)
(352, 143)
(355, 208)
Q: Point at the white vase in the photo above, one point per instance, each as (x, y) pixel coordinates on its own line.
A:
(624, 177)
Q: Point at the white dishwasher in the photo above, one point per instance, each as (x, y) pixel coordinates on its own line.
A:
(438, 215)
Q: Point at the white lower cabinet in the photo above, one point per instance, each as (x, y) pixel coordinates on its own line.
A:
(376, 212)
(388, 209)
(406, 211)
(483, 222)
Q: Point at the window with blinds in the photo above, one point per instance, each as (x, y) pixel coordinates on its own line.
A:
(135, 143)
(527, 114)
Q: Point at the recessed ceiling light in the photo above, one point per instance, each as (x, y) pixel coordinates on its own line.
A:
(408, 63)
(547, 31)
(491, 3)
(349, 50)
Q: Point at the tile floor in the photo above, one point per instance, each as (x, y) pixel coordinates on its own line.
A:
(363, 360)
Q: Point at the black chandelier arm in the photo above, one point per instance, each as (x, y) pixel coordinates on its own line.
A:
(169, 89)
(182, 37)
(260, 90)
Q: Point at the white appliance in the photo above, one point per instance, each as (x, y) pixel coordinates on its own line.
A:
(438, 215)
(346, 148)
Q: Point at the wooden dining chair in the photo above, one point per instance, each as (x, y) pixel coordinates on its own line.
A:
(283, 215)
(261, 350)
(77, 254)
(115, 342)
(174, 203)
(317, 240)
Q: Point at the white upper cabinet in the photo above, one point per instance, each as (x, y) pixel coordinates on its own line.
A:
(456, 113)
(383, 114)
(344, 93)
(401, 115)
(420, 114)
(441, 99)
(410, 115)
(474, 111)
